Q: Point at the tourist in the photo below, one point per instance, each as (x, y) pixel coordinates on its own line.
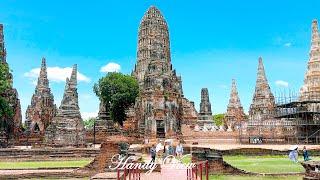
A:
(159, 147)
(293, 155)
(179, 150)
(168, 151)
(153, 153)
(305, 154)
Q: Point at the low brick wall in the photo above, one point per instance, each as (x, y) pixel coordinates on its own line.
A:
(215, 160)
(310, 168)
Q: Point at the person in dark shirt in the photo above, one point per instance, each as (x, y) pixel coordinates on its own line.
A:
(305, 154)
(153, 153)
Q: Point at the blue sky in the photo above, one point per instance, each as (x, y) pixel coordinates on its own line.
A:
(211, 43)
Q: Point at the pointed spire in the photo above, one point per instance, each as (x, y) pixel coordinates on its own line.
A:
(73, 78)
(43, 81)
(70, 96)
(261, 73)
(234, 100)
(310, 89)
(153, 12)
(263, 100)
(315, 39)
(235, 113)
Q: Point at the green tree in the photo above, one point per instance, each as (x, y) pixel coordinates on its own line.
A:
(118, 91)
(88, 123)
(218, 119)
(5, 84)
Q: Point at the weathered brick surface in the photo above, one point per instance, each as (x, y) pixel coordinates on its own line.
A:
(263, 102)
(108, 149)
(215, 160)
(42, 108)
(67, 127)
(235, 114)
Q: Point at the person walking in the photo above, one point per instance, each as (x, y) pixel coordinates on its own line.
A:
(159, 150)
(179, 150)
(305, 154)
(153, 153)
(293, 155)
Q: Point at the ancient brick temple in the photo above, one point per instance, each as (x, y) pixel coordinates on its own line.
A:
(11, 96)
(161, 107)
(235, 113)
(42, 108)
(263, 102)
(66, 128)
(104, 122)
(205, 113)
(311, 88)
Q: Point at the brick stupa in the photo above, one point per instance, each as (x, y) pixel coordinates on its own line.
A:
(235, 113)
(67, 127)
(311, 88)
(42, 108)
(263, 102)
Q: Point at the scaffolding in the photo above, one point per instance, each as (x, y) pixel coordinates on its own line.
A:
(304, 112)
(295, 119)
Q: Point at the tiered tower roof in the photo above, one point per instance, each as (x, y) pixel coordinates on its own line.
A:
(311, 88)
(153, 42)
(234, 110)
(263, 100)
(42, 109)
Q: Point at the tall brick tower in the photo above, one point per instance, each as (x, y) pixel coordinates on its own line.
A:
(263, 102)
(42, 108)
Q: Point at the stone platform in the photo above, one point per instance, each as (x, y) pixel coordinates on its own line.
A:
(312, 169)
(48, 153)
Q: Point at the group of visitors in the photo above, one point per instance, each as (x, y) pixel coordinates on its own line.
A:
(293, 154)
(167, 150)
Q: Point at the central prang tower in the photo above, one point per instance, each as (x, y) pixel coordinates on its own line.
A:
(153, 42)
(161, 108)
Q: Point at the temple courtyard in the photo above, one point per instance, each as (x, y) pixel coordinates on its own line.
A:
(256, 160)
(147, 113)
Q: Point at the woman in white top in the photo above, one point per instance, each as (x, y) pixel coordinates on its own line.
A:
(179, 150)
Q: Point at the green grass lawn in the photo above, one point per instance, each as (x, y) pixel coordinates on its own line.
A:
(266, 164)
(230, 177)
(43, 164)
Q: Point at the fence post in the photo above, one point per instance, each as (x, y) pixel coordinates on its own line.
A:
(192, 173)
(201, 171)
(187, 173)
(196, 171)
(207, 170)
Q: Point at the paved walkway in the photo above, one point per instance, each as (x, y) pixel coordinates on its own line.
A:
(168, 172)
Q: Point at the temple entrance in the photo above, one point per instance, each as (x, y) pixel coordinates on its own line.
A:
(36, 128)
(160, 129)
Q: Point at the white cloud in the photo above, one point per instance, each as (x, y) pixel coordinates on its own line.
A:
(110, 67)
(281, 83)
(288, 44)
(87, 115)
(56, 74)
